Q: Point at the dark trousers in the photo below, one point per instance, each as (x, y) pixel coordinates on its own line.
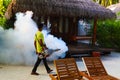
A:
(38, 62)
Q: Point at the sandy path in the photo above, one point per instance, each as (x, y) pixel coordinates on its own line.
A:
(12, 72)
(8, 72)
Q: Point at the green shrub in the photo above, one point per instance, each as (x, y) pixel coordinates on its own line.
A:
(2, 21)
(3, 7)
(108, 33)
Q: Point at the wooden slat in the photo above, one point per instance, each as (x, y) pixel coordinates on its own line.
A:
(95, 69)
(94, 66)
(67, 69)
(108, 77)
(81, 38)
(53, 76)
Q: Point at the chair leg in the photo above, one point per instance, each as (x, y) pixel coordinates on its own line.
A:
(53, 76)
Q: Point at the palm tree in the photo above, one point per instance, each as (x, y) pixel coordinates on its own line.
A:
(106, 2)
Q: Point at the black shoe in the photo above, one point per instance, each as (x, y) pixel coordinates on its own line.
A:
(34, 73)
(49, 71)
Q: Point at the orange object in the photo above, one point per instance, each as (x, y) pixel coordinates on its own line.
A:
(96, 54)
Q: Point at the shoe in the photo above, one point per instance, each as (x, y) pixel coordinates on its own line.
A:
(34, 73)
(49, 71)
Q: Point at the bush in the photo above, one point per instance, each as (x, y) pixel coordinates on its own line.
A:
(108, 33)
(3, 7)
(2, 21)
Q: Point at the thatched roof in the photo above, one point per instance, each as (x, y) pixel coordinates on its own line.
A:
(70, 8)
(115, 8)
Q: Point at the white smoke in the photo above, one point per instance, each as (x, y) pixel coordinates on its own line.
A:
(16, 45)
(54, 43)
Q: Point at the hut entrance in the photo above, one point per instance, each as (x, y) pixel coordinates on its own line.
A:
(70, 29)
(63, 27)
(55, 29)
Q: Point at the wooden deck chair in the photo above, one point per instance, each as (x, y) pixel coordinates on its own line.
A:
(96, 70)
(67, 70)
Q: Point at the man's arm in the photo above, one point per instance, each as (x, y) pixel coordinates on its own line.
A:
(42, 44)
(35, 46)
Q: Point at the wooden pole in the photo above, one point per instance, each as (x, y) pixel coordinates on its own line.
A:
(94, 31)
(75, 26)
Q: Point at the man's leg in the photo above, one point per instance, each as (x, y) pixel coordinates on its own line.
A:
(46, 65)
(35, 66)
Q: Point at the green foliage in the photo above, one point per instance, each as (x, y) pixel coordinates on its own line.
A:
(3, 7)
(115, 1)
(6, 3)
(2, 21)
(108, 33)
(106, 2)
(118, 13)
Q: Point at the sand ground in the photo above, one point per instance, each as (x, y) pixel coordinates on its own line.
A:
(19, 72)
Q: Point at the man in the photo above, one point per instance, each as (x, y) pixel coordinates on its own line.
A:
(39, 46)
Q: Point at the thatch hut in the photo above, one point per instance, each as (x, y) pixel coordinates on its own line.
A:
(65, 13)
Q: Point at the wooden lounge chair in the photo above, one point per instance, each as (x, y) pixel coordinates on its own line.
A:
(96, 70)
(67, 70)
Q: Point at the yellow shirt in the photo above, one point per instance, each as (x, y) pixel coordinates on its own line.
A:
(38, 36)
